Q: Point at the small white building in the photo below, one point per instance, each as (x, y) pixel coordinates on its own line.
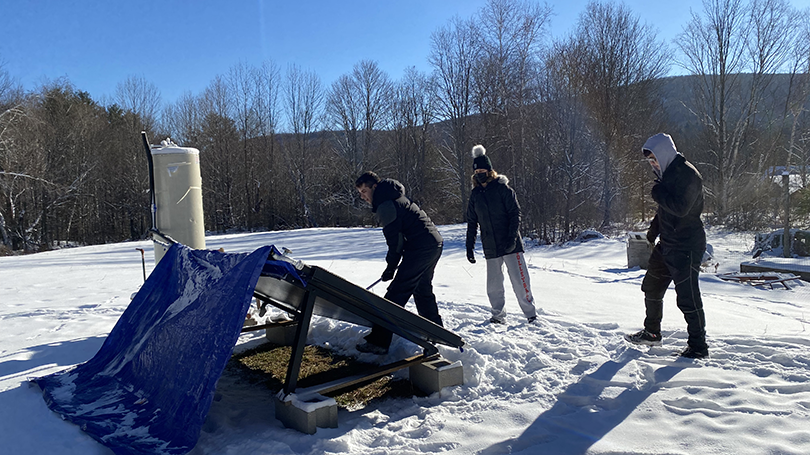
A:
(798, 176)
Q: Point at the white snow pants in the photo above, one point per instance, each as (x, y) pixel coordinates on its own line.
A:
(519, 275)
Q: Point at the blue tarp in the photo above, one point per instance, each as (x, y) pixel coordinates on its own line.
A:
(150, 386)
(282, 270)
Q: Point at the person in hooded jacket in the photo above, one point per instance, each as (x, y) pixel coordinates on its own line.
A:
(494, 207)
(678, 191)
(414, 249)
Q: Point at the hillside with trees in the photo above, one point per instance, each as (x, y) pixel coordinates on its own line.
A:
(563, 119)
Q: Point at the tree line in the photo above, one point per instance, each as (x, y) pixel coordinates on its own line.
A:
(563, 119)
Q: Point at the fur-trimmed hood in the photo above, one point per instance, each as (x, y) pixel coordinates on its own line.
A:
(494, 176)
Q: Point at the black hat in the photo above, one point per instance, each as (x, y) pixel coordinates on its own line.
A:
(480, 158)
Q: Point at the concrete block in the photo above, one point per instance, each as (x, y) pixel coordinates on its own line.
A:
(283, 335)
(638, 250)
(306, 414)
(435, 375)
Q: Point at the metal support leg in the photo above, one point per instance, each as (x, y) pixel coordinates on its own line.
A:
(300, 342)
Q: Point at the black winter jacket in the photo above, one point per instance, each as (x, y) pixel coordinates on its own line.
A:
(495, 208)
(405, 225)
(679, 195)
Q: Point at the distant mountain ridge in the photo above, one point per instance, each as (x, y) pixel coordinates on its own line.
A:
(677, 92)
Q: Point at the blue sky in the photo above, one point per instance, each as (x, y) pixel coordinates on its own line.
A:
(182, 45)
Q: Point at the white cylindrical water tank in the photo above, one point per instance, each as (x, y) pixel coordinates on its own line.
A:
(178, 196)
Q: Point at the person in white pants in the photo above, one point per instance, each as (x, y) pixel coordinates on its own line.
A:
(494, 207)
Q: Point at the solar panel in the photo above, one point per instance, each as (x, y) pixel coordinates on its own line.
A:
(304, 290)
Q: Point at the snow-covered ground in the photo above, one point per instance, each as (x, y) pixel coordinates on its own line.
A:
(568, 384)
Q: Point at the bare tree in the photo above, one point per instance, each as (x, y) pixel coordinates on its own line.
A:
(795, 29)
(714, 47)
(772, 44)
(183, 119)
(376, 90)
(268, 86)
(620, 61)
(798, 149)
(242, 86)
(512, 36)
(359, 104)
(137, 107)
(511, 45)
(10, 89)
(568, 139)
(11, 109)
(733, 49)
(454, 52)
(219, 142)
(343, 109)
(414, 111)
(53, 157)
(12, 112)
(303, 105)
(142, 97)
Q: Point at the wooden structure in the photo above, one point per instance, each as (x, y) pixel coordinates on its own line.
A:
(796, 266)
(760, 279)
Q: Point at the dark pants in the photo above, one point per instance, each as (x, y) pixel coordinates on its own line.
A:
(414, 277)
(682, 267)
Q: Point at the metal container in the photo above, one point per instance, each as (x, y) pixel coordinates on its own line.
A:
(178, 196)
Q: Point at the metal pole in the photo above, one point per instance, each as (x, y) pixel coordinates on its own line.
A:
(786, 243)
(151, 178)
(297, 354)
(372, 284)
(143, 263)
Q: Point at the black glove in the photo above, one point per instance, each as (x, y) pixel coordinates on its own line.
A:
(656, 189)
(511, 247)
(388, 273)
(471, 256)
(652, 232)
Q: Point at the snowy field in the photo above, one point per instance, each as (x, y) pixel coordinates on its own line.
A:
(568, 384)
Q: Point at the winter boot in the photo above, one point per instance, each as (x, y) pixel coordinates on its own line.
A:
(644, 338)
(692, 353)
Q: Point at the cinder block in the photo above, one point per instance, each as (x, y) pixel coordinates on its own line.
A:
(435, 375)
(638, 250)
(307, 414)
(283, 335)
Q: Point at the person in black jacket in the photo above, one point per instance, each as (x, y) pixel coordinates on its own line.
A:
(677, 256)
(414, 249)
(494, 207)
